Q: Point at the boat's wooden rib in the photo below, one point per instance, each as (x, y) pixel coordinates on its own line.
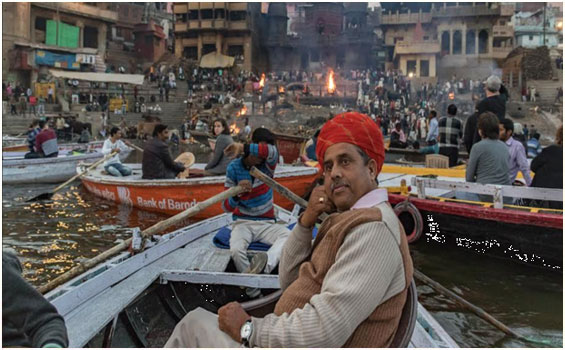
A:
(135, 301)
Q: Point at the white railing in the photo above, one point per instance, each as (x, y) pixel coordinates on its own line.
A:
(497, 191)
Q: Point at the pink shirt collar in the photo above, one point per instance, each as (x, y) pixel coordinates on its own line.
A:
(371, 199)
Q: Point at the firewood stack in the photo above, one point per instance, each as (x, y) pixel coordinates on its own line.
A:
(536, 64)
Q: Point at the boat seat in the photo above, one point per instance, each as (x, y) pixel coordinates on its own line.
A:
(437, 161)
(407, 320)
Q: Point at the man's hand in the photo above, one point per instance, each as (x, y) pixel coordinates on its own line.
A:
(246, 184)
(117, 150)
(231, 318)
(319, 203)
(234, 150)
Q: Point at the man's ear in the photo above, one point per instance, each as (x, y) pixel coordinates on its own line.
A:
(372, 165)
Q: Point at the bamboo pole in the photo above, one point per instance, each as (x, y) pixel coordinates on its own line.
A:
(281, 189)
(158, 227)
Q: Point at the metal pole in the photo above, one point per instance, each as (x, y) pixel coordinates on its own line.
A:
(544, 6)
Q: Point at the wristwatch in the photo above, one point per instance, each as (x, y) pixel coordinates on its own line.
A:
(245, 332)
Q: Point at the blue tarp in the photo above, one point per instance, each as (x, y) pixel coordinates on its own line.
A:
(222, 239)
(47, 58)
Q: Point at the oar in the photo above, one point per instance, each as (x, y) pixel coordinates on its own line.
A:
(134, 146)
(48, 195)
(281, 189)
(417, 274)
(158, 227)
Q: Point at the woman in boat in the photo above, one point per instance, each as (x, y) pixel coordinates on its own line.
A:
(219, 161)
(488, 161)
(548, 167)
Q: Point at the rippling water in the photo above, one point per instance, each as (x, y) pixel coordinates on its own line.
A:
(50, 237)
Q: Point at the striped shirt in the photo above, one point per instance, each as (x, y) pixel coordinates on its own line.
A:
(257, 204)
(450, 131)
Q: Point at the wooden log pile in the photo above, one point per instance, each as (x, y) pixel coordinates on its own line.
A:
(536, 64)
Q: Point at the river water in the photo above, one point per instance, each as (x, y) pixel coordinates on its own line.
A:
(50, 237)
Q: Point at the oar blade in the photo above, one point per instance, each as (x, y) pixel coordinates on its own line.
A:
(41, 197)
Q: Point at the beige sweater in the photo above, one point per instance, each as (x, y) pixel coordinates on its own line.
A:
(349, 293)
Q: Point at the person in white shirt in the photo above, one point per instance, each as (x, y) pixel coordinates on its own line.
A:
(114, 166)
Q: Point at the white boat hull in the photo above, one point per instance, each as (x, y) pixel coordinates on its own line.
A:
(43, 170)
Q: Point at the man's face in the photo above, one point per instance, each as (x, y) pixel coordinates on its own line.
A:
(164, 135)
(346, 177)
(503, 134)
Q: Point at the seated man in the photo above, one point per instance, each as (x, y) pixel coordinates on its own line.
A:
(113, 165)
(253, 211)
(397, 137)
(28, 319)
(46, 141)
(348, 287)
(32, 133)
(157, 162)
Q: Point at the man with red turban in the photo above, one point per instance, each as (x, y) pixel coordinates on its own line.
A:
(347, 288)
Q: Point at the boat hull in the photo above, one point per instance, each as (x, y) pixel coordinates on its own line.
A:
(174, 196)
(43, 170)
(532, 238)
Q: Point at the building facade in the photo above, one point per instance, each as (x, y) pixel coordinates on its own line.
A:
(531, 32)
(230, 28)
(41, 35)
(422, 37)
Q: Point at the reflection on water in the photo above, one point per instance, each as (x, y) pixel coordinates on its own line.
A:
(50, 237)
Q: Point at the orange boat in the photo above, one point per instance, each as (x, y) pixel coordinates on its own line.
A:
(173, 196)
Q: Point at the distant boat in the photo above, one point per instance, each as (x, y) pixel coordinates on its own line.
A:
(63, 147)
(136, 300)
(173, 196)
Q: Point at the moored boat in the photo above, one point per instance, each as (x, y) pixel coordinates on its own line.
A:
(529, 235)
(63, 147)
(16, 170)
(173, 196)
(136, 300)
(290, 146)
(413, 155)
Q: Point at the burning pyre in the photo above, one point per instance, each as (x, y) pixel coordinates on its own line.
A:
(262, 81)
(331, 82)
(242, 111)
(234, 130)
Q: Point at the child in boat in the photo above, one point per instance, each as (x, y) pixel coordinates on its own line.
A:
(253, 211)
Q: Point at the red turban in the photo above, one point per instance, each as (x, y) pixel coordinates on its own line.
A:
(354, 128)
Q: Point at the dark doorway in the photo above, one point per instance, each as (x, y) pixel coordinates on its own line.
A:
(207, 48)
(445, 43)
(424, 68)
(470, 42)
(483, 41)
(90, 37)
(304, 60)
(457, 42)
(190, 52)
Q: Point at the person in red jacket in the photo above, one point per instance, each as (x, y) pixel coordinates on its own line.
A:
(46, 141)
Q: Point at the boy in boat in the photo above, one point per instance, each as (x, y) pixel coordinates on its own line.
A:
(28, 319)
(347, 288)
(114, 166)
(157, 162)
(253, 211)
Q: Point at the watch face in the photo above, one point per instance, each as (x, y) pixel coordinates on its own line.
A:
(246, 330)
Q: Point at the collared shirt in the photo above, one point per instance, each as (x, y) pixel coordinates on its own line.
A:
(450, 131)
(518, 161)
(371, 199)
(434, 130)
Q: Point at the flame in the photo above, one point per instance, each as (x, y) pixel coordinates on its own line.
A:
(281, 89)
(331, 82)
(242, 111)
(262, 81)
(451, 96)
(234, 129)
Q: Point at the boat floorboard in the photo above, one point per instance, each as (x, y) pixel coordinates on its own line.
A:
(88, 319)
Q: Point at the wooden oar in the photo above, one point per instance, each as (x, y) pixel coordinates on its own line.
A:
(281, 189)
(417, 274)
(48, 195)
(158, 227)
(134, 146)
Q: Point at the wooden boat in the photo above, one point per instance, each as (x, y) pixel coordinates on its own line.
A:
(11, 140)
(412, 155)
(533, 236)
(63, 147)
(290, 146)
(173, 196)
(16, 170)
(136, 300)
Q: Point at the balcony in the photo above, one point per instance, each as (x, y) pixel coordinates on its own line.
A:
(503, 31)
(80, 9)
(239, 25)
(206, 24)
(465, 11)
(181, 27)
(500, 52)
(405, 18)
(180, 8)
(238, 6)
(422, 47)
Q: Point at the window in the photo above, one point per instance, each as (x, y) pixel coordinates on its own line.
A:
(411, 67)
(470, 43)
(426, 38)
(40, 23)
(457, 42)
(148, 40)
(445, 43)
(90, 37)
(192, 15)
(207, 14)
(220, 14)
(237, 52)
(207, 48)
(531, 37)
(190, 52)
(238, 15)
(424, 68)
(502, 23)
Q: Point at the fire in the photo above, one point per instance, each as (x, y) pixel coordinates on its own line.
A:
(331, 82)
(281, 89)
(242, 111)
(234, 129)
(262, 81)
(451, 96)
